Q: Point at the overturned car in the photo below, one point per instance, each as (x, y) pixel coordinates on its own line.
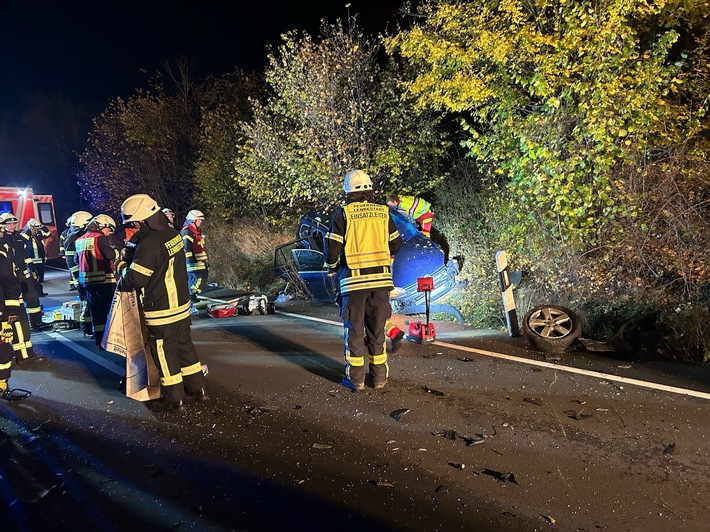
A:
(302, 260)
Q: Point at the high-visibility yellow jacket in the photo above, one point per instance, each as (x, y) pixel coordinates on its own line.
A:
(414, 207)
(361, 240)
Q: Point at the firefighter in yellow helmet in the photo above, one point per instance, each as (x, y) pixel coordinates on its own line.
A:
(417, 209)
(195, 254)
(156, 268)
(360, 242)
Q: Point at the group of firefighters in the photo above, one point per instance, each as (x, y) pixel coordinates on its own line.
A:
(169, 268)
(97, 257)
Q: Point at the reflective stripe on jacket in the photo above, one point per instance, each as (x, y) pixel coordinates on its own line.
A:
(413, 206)
(195, 254)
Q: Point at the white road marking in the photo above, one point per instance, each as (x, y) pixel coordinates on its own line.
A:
(118, 370)
(558, 367)
(319, 320)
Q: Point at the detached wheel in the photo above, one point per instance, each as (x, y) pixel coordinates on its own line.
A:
(551, 329)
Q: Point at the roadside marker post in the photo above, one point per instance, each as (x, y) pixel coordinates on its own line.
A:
(506, 288)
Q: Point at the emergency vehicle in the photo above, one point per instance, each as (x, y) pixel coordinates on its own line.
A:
(25, 204)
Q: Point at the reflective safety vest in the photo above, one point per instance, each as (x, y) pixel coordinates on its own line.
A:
(414, 207)
(95, 258)
(34, 244)
(365, 236)
(195, 254)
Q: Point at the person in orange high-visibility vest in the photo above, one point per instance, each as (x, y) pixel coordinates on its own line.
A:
(196, 256)
(416, 208)
(96, 257)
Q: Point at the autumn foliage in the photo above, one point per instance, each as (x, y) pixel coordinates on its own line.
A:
(573, 134)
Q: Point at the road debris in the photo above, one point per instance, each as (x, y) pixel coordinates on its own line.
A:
(397, 414)
(465, 359)
(256, 410)
(470, 441)
(669, 449)
(321, 446)
(448, 434)
(532, 401)
(550, 519)
(381, 484)
(432, 391)
(503, 477)
(578, 415)
(457, 465)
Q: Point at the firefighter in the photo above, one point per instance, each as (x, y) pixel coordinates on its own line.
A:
(34, 234)
(28, 284)
(8, 286)
(14, 313)
(360, 242)
(63, 250)
(63, 238)
(195, 254)
(170, 215)
(79, 221)
(415, 208)
(156, 268)
(95, 257)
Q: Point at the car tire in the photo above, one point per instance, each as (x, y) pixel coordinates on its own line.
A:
(551, 329)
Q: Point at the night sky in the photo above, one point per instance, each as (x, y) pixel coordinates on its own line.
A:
(80, 54)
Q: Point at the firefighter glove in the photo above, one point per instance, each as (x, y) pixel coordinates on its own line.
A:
(127, 254)
(6, 333)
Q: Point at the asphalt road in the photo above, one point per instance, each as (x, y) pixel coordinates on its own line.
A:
(473, 432)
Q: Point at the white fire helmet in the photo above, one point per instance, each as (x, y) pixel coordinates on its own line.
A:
(104, 220)
(138, 207)
(356, 181)
(194, 215)
(80, 219)
(7, 218)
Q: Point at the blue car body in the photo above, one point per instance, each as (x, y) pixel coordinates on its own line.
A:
(418, 257)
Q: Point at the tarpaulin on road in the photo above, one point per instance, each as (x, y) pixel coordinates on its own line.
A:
(124, 336)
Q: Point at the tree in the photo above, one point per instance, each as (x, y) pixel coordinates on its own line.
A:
(332, 108)
(590, 117)
(569, 102)
(225, 108)
(148, 144)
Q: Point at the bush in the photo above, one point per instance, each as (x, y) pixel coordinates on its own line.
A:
(241, 254)
(606, 286)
